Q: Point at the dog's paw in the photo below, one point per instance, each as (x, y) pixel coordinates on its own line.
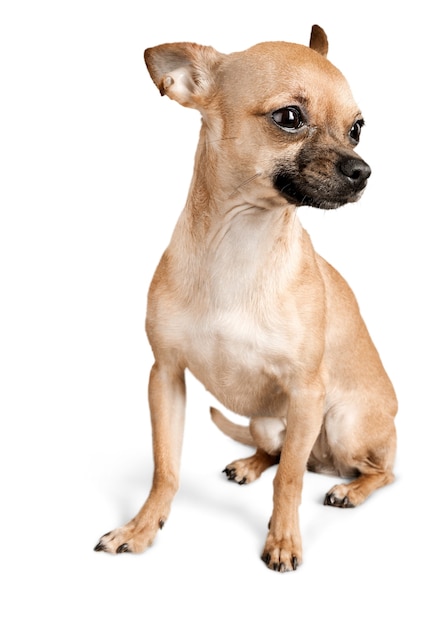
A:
(129, 538)
(231, 473)
(247, 470)
(342, 497)
(243, 471)
(281, 556)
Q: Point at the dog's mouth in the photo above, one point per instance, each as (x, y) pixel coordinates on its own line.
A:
(327, 187)
(297, 195)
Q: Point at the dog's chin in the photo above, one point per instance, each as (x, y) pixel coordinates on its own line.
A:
(299, 196)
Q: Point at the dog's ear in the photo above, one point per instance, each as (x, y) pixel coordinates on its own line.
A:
(183, 71)
(318, 40)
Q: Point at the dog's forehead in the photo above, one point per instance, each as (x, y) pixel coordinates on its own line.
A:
(280, 72)
(279, 60)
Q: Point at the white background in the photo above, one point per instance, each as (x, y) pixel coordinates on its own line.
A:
(94, 171)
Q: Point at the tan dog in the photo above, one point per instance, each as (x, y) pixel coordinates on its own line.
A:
(243, 301)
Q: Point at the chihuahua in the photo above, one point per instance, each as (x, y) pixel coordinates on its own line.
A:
(242, 300)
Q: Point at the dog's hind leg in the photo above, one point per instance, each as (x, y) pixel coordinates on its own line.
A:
(247, 470)
(373, 473)
(372, 461)
(266, 433)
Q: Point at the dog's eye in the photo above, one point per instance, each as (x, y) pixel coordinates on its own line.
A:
(355, 131)
(289, 118)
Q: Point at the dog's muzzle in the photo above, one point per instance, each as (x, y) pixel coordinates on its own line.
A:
(325, 182)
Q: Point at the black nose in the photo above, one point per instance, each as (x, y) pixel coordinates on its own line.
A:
(356, 170)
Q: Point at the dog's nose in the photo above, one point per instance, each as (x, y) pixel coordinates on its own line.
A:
(356, 170)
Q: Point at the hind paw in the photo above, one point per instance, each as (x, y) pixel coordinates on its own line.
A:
(342, 497)
(234, 474)
(247, 470)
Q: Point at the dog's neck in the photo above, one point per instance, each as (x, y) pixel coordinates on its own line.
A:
(227, 244)
(220, 195)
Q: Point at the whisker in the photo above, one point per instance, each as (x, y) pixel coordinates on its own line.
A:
(244, 183)
(209, 143)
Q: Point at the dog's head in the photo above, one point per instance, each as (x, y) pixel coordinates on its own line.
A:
(279, 116)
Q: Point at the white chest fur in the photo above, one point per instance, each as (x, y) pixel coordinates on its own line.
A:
(230, 321)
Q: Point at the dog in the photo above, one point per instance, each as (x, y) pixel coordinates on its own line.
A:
(242, 300)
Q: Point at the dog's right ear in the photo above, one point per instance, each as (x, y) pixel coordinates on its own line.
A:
(183, 71)
(318, 40)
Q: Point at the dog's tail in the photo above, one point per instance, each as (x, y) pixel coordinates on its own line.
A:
(235, 431)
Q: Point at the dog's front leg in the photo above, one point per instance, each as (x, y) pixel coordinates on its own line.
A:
(283, 547)
(167, 405)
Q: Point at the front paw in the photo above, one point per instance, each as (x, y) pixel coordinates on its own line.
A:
(128, 538)
(281, 556)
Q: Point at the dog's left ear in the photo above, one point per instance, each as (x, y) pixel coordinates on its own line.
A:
(318, 40)
(183, 71)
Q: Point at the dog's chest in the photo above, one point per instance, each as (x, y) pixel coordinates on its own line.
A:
(242, 360)
(232, 319)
